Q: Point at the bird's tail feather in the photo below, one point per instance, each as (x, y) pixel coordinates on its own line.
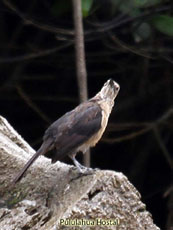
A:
(19, 176)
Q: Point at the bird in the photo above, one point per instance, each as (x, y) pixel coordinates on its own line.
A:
(77, 130)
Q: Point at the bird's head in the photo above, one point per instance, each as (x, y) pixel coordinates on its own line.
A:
(109, 90)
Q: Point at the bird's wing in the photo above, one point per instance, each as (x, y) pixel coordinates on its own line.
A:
(74, 129)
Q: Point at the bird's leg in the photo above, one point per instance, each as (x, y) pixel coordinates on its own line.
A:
(77, 164)
(81, 168)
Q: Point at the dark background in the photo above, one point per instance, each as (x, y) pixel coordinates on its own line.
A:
(38, 85)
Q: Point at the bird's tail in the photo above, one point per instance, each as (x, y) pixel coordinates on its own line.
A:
(19, 176)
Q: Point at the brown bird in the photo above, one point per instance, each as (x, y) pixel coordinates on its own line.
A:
(77, 130)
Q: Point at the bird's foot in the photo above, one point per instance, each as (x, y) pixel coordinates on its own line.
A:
(82, 170)
(85, 170)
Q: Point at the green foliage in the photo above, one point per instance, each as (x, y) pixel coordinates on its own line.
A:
(86, 7)
(60, 7)
(129, 4)
(163, 23)
(142, 32)
(128, 8)
(132, 7)
(145, 3)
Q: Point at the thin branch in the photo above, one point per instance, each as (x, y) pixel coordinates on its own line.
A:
(30, 21)
(34, 55)
(80, 59)
(165, 116)
(30, 103)
(167, 58)
(134, 50)
(126, 137)
(147, 126)
(106, 26)
(163, 147)
(117, 23)
(127, 126)
(80, 51)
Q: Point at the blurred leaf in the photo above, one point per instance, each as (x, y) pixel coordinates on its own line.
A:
(116, 2)
(61, 7)
(115, 6)
(86, 6)
(143, 32)
(127, 7)
(145, 3)
(131, 6)
(163, 23)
